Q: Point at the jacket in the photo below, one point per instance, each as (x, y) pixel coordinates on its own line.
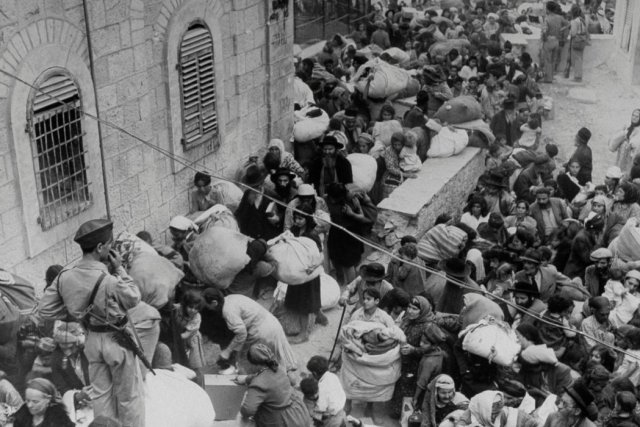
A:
(502, 129)
(550, 279)
(581, 248)
(55, 416)
(524, 182)
(583, 156)
(559, 212)
(343, 172)
(558, 419)
(66, 378)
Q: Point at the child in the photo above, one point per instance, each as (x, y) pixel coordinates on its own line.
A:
(188, 322)
(530, 133)
(495, 158)
(309, 389)
(42, 363)
(409, 160)
(406, 276)
(331, 398)
(369, 312)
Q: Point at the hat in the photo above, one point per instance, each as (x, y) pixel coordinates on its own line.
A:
(526, 288)
(67, 333)
(584, 134)
(600, 199)
(282, 171)
(455, 267)
(595, 223)
(182, 223)
(366, 137)
(493, 15)
(600, 253)
(541, 159)
(162, 357)
(46, 344)
(634, 274)
(495, 180)
(408, 239)
(93, 232)
(306, 190)
(531, 255)
(7, 278)
(445, 382)
(350, 112)
(582, 396)
(509, 55)
(372, 272)
(381, 25)
(254, 176)
(509, 103)
(613, 172)
(331, 140)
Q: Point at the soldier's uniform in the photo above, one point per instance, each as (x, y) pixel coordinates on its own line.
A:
(114, 371)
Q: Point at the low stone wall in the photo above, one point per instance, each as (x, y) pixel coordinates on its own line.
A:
(442, 185)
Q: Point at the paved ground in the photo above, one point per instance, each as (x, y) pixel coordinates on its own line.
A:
(605, 105)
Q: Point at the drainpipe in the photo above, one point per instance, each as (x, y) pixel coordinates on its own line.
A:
(95, 94)
(268, 69)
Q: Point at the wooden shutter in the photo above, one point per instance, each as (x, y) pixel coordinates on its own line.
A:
(198, 85)
(59, 86)
(627, 25)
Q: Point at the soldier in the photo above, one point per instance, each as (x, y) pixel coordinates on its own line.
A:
(89, 292)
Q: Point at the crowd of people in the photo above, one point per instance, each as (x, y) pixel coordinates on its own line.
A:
(542, 256)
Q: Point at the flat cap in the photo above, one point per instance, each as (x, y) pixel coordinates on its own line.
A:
(93, 232)
(600, 253)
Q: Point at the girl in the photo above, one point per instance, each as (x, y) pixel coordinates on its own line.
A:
(627, 143)
(531, 132)
(476, 212)
(409, 160)
(188, 321)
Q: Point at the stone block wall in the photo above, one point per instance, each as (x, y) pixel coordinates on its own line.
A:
(135, 49)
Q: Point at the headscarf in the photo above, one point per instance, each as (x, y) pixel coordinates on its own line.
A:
(67, 333)
(445, 382)
(426, 311)
(45, 387)
(481, 404)
(278, 144)
(261, 354)
(182, 223)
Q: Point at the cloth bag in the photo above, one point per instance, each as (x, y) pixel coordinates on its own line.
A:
(492, 339)
(448, 142)
(310, 123)
(297, 259)
(218, 255)
(329, 292)
(228, 194)
(627, 245)
(365, 169)
(217, 215)
(387, 79)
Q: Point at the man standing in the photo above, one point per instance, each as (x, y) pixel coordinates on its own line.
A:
(505, 124)
(597, 274)
(545, 278)
(554, 31)
(575, 408)
(371, 276)
(330, 167)
(89, 292)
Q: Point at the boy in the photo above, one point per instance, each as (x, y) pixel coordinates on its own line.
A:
(331, 398)
(369, 312)
(406, 276)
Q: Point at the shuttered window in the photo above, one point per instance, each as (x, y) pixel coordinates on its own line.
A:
(197, 86)
(627, 24)
(59, 154)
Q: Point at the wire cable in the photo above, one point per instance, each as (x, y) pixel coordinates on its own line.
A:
(192, 165)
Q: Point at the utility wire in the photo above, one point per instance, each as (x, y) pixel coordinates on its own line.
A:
(192, 165)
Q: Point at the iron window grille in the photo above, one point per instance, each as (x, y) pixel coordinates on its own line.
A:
(58, 150)
(197, 87)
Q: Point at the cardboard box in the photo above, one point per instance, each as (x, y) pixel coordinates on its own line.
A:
(225, 395)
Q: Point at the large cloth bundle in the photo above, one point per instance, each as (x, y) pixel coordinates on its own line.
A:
(18, 290)
(130, 246)
(444, 47)
(476, 307)
(460, 109)
(218, 255)
(492, 339)
(477, 125)
(441, 242)
(364, 376)
(227, 193)
(627, 245)
(156, 276)
(297, 259)
(329, 292)
(170, 399)
(9, 319)
(364, 169)
(310, 123)
(217, 216)
(448, 142)
(387, 79)
(398, 55)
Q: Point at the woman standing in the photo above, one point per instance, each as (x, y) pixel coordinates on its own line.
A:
(625, 203)
(393, 175)
(421, 356)
(270, 398)
(627, 143)
(302, 302)
(43, 407)
(579, 40)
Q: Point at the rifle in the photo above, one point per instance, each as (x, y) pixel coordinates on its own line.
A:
(567, 70)
(125, 339)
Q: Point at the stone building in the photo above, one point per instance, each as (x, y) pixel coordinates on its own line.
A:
(207, 81)
(626, 29)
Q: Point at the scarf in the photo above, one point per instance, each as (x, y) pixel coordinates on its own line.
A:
(328, 174)
(481, 405)
(415, 328)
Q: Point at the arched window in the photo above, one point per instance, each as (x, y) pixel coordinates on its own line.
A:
(58, 150)
(197, 86)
